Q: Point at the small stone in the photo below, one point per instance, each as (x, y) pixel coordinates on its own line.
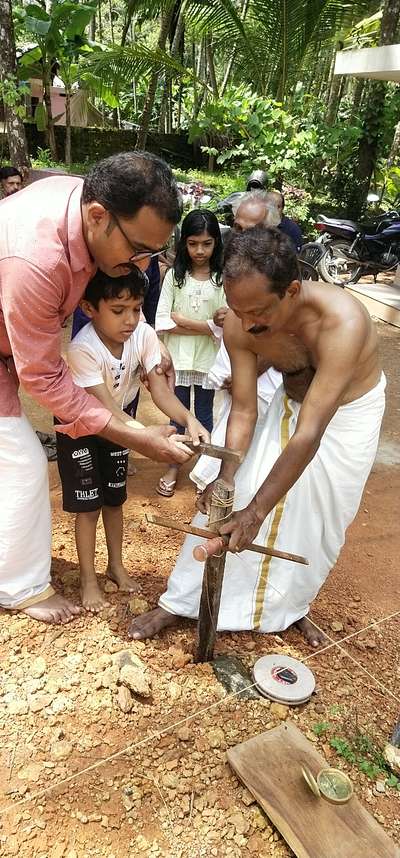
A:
(255, 844)
(135, 679)
(370, 643)
(392, 756)
(380, 786)
(247, 798)
(337, 626)
(183, 733)
(216, 737)
(279, 711)
(38, 667)
(81, 817)
(110, 587)
(60, 750)
(36, 704)
(259, 820)
(179, 658)
(18, 707)
(31, 772)
(138, 606)
(124, 699)
(240, 824)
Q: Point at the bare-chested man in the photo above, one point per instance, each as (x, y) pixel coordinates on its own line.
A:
(307, 463)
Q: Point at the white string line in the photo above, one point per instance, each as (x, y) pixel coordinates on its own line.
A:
(164, 730)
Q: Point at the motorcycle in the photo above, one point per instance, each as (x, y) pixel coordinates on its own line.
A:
(257, 181)
(356, 249)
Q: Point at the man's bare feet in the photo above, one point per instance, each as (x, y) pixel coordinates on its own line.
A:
(93, 600)
(150, 624)
(120, 576)
(312, 635)
(56, 609)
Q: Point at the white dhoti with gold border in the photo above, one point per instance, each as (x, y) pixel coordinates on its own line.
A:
(268, 594)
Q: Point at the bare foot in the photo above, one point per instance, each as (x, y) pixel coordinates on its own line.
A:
(120, 577)
(56, 609)
(312, 635)
(93, 599)
(148, 625)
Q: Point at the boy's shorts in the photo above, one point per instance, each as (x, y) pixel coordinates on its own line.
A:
(93, 472)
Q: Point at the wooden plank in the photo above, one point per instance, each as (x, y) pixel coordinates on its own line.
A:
(270, 767)
(220, 512)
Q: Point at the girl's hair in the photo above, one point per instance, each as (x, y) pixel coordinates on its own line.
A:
(196, 222)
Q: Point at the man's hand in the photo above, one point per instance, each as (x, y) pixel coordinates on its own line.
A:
(242, 528)
(203, 501)
(165, 367)
(219, 316)
(196, 430)
(162, 444)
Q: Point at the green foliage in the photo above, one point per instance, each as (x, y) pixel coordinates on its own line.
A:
(361, 751)
(12, 92)
(255, 132)
(321, 727)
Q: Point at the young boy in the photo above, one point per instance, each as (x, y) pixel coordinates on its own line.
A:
(106, 358)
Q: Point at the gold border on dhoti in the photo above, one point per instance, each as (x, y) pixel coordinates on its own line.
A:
(273, 532)
(45, 594)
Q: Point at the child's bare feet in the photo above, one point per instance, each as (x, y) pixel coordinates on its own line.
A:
(93, 599)
(120, 576)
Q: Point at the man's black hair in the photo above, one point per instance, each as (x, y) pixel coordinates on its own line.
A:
(103, 286)
(126, 182)
(262, 249)
(8, 172)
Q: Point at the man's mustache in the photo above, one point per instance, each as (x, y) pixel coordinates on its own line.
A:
(258, 329)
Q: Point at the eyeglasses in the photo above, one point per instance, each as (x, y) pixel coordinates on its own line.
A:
(137, 254)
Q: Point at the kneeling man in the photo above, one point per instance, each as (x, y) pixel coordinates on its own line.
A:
(307, 459)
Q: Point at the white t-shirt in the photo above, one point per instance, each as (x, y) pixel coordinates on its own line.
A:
(91, 362)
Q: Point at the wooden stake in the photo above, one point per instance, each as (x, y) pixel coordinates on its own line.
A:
(220, 512)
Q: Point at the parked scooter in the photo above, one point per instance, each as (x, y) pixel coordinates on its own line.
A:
(355, 249)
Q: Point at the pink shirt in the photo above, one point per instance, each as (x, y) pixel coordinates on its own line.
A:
(45, 267)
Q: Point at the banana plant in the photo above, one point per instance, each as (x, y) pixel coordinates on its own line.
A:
(60, 39)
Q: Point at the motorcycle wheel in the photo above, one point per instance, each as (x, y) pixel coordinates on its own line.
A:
(334, 267)
(307, 271)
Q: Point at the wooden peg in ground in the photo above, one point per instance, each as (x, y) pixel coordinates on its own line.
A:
(213, 576)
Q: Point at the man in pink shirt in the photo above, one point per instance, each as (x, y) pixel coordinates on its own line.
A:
(53, 236)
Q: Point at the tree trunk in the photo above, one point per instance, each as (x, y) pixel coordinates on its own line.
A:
(395, 147)
(211, 68)
(151, 92)
(93, 28)
(68, 126)
(368, 144)
(17, 144)
(50, 133)
(357, 97)
(100, 22)
(228, 70)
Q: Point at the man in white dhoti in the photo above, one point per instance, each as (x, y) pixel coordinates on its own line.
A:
(307, 462)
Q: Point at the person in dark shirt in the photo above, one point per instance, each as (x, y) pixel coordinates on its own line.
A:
(287, 225)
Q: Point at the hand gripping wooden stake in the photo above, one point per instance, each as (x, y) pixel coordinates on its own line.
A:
(220, 512)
